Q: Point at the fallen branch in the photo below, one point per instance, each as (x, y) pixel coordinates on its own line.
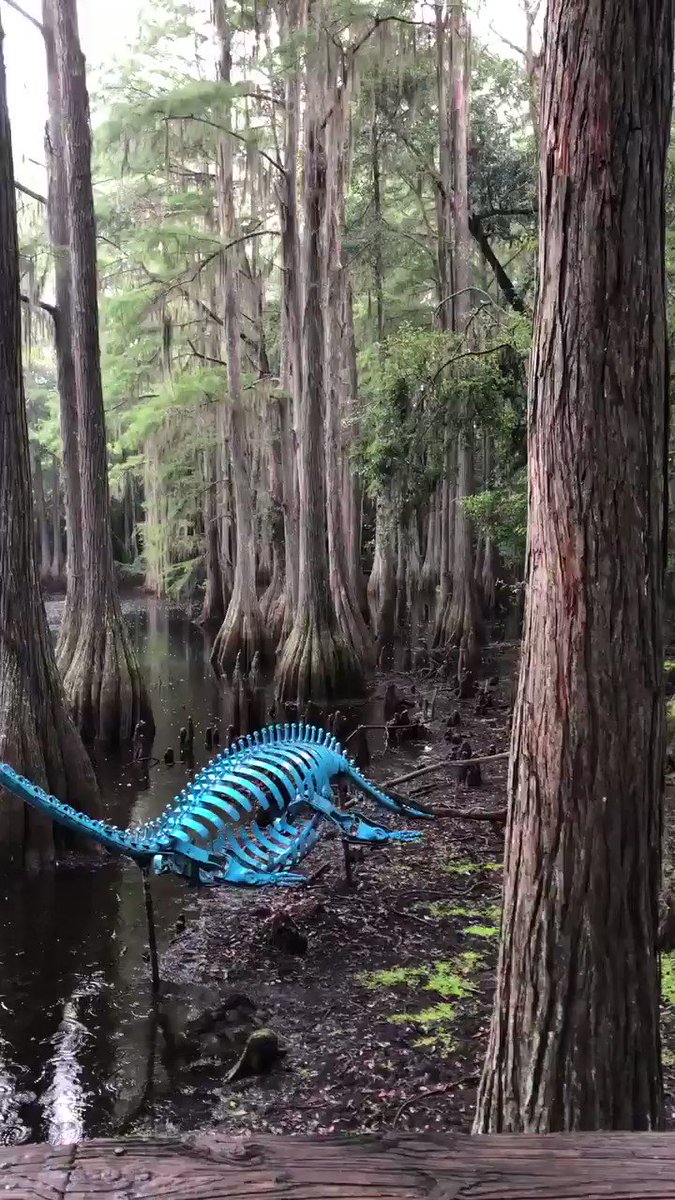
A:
(437, 766)
(498, 815)
(420, 1097)
(318, 873)
(361, 728)
(444, 764)
(408, 916)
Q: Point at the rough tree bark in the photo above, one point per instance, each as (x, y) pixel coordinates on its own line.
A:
(57, 215)
(243, 631)
(102, 678)
(37, 736)
(429, 577)
(213, 608)
(447, 522)
(273, 602)
(41, 515)
(463, 613)
(382, 582)
(351, 483)
(292, 16)
(56, 569)
(347, 609)
(316, 661)
(491, 565)
(574, 1042)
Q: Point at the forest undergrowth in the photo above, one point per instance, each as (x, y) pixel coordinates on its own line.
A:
(383, 1018)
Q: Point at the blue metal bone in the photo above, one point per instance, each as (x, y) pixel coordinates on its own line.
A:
(291, 767)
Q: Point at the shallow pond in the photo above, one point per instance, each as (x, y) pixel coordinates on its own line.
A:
(76, 1034)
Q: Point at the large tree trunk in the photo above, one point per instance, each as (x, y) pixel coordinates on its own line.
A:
(349, 617)
(383, 595)
(41, 515)
(102, 678)
(243, 631)
(273, 602)
(37, 737)
(292, 16)
(316, 661)
(447, 525)
(429, 577)
(57, 213)
(351, 484)
(574, 1042)
(57, 563)
(213, 608)
(463, 615)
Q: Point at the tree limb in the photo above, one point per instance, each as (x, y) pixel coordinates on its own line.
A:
(507, 288)
(33, 20)
(21, 187)
(231, 132)
(454, 359)
(49, 308)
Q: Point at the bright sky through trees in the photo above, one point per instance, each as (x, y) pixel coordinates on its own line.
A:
(105, 31)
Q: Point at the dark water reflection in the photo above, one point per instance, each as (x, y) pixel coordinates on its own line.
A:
(77, 1036)
(74, 986)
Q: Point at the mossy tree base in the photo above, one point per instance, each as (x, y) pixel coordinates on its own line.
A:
(38, 738)
(318, 664)
(103, 683)
(242, 635)
(461, 618)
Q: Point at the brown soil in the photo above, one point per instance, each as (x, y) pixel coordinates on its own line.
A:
(384, 1018)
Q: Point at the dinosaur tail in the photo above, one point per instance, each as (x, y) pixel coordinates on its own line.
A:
(106, 835)
(391, 800)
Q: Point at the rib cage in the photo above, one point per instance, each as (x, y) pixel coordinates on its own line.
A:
(212, 831)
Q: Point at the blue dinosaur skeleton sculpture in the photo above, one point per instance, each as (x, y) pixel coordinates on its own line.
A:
(248, 818)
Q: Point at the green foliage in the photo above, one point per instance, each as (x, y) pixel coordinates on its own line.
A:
(465, 867)
(159, 119)
(668, 978)
(502, 514)
(449, 979)
(418, 382)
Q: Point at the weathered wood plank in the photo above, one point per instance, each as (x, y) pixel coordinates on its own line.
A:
(216, 1166)
(36, 1172)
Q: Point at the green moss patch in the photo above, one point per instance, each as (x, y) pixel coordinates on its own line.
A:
(668, 978)
(393, 977)
(459, 866)
(483, 931)
(441, 909)
(447, 977)
(450, 979)
(438, 1014)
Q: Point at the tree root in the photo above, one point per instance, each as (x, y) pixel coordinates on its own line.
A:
(317, 664)
(242, 635)
(38, 738)
(461, 618)
(103, 683)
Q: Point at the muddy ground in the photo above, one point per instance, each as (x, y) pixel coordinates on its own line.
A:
(384, 1017)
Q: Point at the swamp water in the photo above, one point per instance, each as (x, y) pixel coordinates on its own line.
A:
(77, 1035)
(80, 1053)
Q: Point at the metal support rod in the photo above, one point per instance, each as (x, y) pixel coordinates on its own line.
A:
(152, 937)
(349, 874)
